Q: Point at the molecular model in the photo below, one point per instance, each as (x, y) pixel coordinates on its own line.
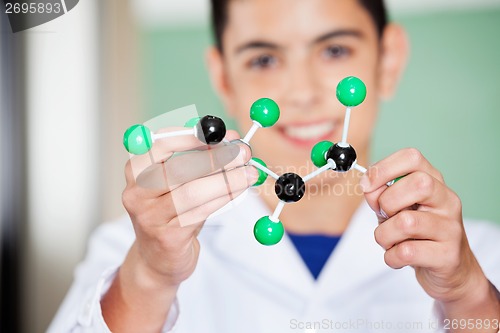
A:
(289, 187)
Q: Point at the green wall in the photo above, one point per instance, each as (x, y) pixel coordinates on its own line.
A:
(448, 105)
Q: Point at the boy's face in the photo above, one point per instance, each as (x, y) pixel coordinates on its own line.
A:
(296, 52)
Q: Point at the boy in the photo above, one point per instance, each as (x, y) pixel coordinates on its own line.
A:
(294, 52)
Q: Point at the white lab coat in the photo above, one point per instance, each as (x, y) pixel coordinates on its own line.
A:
(242, 286)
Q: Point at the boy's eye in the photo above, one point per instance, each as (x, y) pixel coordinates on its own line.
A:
(335, 51)
(263, 62)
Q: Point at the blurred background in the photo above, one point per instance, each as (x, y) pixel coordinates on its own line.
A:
(69, 89)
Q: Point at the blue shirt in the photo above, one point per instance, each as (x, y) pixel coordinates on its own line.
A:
(314, 250)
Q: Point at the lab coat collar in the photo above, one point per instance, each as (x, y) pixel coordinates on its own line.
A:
(356, 259)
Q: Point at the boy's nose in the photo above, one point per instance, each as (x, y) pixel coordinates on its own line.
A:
(303, 90)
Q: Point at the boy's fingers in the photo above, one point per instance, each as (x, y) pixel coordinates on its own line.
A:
(162, 149)
(415, 225)
(181, 143)
(186, 167)
(200, 191)
(396, 165)
(372, 200)
(183, 168)
(418, 188)
(198, 215)
(417, 253)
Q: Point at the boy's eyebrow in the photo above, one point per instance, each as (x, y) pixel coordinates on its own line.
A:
(269, 45)
(256, 45)
(338, 33)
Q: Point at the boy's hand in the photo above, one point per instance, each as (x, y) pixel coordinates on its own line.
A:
(168, 214)
(421, 226)
(168, 204)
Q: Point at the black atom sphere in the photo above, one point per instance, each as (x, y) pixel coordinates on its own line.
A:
(210, 130)
(344, 157)
(290, 187)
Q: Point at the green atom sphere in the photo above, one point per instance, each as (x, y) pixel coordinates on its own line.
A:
(318, 153)
(268, 232)
(265, 111)
(137, 139)
(262, 174)
(351, 91)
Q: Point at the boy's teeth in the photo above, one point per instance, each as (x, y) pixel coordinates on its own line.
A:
(309, 132)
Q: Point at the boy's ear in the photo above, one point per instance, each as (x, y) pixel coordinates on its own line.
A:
(395, 52)
(218, 76)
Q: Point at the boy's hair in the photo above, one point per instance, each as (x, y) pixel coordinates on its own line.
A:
(376, 8)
